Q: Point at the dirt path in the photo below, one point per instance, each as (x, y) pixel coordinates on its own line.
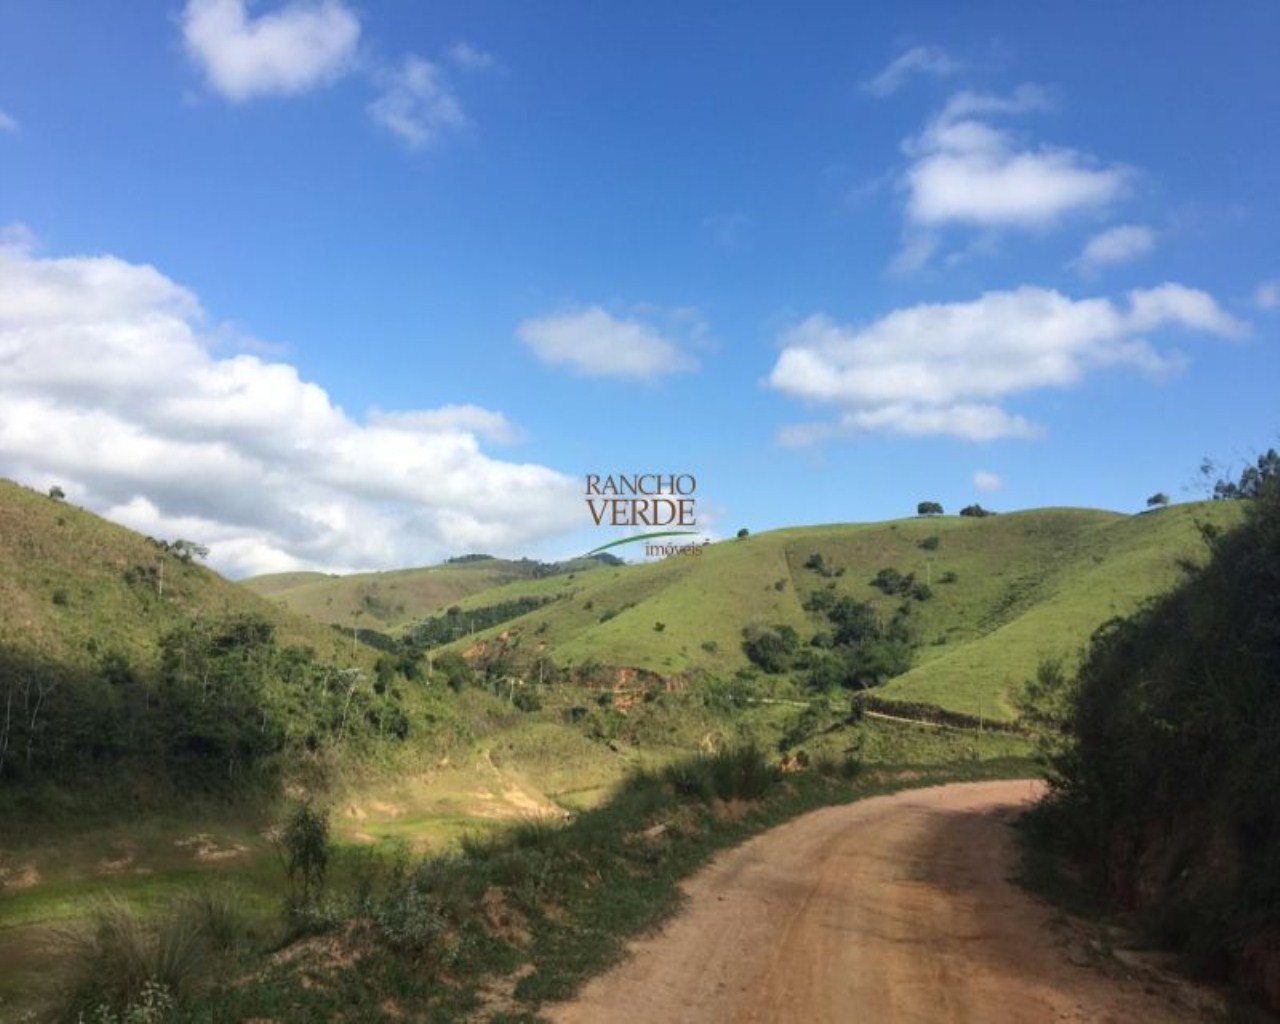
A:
(895, 909)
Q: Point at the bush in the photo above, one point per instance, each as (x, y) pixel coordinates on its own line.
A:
(304, 848)
(772, 649)
(930, 543)
(1163, 748)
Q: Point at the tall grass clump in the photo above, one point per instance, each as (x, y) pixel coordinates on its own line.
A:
(738, 773)
(121, 967)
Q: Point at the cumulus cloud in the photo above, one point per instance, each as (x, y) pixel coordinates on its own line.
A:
(594, 343)
(920, 60)
(966, 171)
(8, 123)
(945, 368)
(1268, 295)
(1120, 244)
(292, 50)
(417, 103)
(109, 386)
(984, 480)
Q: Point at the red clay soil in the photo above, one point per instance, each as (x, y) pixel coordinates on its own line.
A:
(897, 908)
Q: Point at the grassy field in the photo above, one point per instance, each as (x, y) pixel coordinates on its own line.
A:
(532, 770)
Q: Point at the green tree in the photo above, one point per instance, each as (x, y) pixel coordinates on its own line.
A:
(1158, 500)
(928, 508)
(1252, 481)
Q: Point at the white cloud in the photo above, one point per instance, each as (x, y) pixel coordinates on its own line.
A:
(920, 60)
(467, 58)
(8, 123)
(594, 343)
(417, 103)
(285, 52)
(1268, 295)
(109, 386)
(987, 481)
(966, 171)
(1120, 244)
(492, 426)
(945, 368)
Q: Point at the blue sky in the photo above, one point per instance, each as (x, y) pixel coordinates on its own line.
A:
(344, 286)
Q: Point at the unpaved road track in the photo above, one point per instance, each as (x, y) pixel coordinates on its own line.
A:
(894, 909)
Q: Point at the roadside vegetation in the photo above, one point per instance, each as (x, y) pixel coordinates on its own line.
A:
(1163, 753)
(492, 931)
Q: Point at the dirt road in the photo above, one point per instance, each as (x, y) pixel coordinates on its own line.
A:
(895, 909)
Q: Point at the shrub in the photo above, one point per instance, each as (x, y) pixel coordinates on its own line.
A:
(772, 649)
(887, 581)
(304, 848)
(930, 543)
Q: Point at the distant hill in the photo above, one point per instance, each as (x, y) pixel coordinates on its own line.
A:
(388, 601)
(1007, 591)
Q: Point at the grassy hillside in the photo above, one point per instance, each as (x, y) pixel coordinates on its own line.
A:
(129, 675)
(387, 601)
(74, 586)
(1007, 592)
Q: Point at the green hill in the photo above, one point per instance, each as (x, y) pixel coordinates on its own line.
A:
(74, 586)
(1006, 592)
(388, 601)
(130, 675)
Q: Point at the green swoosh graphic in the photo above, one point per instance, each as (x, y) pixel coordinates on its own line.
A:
(643, 536)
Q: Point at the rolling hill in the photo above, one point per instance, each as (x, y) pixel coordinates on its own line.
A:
(73, 586)
(388, 601)
(1006, 592)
